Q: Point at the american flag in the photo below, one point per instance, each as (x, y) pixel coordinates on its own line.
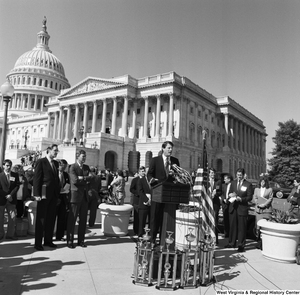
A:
(207, 224)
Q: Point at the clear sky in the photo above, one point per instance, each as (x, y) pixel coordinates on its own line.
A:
(246, 49)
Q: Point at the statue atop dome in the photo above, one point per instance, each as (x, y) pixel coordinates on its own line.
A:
(44, 22)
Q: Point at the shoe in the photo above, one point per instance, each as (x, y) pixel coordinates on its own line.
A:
(82, 244)
(229, 246)
(60, 239)
(11, 238)
(51, 245)
(259, 245)
(39, 248)
(241, 249)
(71, 245)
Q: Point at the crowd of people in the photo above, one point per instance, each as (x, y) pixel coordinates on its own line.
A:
(64, 194)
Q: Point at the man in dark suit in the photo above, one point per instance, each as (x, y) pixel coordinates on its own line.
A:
(225, 203)
(214, 189)
(63, 200)
(144, 198)
(240, 194)
(93, 192)
(135, 202)
(80, 177)
(9, 185)
(46, 188)
(159, 171)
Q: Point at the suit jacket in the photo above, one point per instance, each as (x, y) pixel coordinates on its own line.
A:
(44, 174)
(109, 178)
(245, 193)
(157, 168)
(268, 196)
(134, 190)
(79, 182)
(143, 189)
(9, 188)
(217, 186)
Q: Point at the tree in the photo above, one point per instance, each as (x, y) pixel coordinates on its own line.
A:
(285, 164)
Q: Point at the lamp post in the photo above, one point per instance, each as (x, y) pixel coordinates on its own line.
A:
(7, 91)
(25, 139)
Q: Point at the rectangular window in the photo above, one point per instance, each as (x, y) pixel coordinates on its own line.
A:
(191, 110)
(138, 111)
(161, 108)
(118, 114)
(99, 116)
(199, 113)
(128, 113)
(149, 110)
(90, 117)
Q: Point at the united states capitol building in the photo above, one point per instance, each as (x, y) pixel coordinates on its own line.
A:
(122, 121)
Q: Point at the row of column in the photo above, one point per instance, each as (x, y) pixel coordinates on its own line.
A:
(59, 117)
(18, 102)
(251, 141)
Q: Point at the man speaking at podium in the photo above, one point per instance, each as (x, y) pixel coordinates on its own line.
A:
(159, 171)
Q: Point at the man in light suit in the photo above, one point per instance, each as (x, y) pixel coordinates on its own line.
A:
(225, 203)
(241, 193)
(80, 177)
(215, 190)
(159, 171)
(9, 185)
(46, 188)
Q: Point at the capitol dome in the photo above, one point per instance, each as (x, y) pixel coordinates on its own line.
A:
(38, 72)
(40, 58)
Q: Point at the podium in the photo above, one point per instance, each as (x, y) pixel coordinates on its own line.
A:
(171, 194)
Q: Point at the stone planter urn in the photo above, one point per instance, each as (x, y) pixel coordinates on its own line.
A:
(115, 219)
(279, 241)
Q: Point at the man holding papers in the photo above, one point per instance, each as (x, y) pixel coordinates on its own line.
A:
(240, 193)
(62, 207)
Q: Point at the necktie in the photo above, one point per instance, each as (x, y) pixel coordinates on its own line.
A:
(7, 176)
(167, 166)
(239, 185)
(53, 166)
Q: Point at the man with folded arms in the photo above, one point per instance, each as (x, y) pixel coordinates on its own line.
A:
(80, 177)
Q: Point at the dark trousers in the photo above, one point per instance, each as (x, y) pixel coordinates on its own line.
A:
(45, 221)
(237, 229)
(136, 219)
(226, 220)
(61, 213)
(20, 208)
(216, 216)
(81, 210)
(156, 219)
(142, 216)
(93, 205)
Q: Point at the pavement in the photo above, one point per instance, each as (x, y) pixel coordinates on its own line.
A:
(106, 267)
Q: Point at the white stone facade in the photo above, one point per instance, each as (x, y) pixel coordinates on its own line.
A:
(126, 120)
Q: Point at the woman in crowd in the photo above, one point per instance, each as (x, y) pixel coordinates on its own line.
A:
(263, 197)
(119, 184)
